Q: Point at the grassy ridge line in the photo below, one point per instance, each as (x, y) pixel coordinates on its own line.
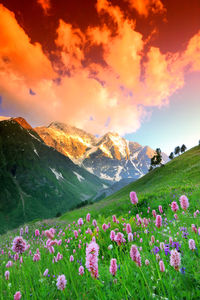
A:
(181, 175)
(182, 169)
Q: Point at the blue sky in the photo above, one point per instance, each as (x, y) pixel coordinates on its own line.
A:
(176, 124)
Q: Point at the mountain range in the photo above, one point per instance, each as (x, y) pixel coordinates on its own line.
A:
(37, 181)
(45, 171)
(109, 157)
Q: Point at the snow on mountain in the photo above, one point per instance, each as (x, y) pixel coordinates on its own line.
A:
(2, 118)
(36, 152)
(109, 157)
(79, 177)
(57, 174)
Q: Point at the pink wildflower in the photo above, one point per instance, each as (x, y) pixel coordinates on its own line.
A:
(7, 275)
(61, 282)
(59, 242)
(104, 227)
(51, 249)
(184, 202)
(46, 272)
(17, 296)
(145, 221)
(53, 231)
(19, 244)
(133, 198)
(36, 257)
(119, 238)
(138, 259)
(94, 223)
(26, 230)
(192, 244)
(81, 270)
(194, 229)
(75, 234)
(71, 258)
(128, 228)
(112, 235)
(114, 219)
(37, 232)
(160, 209)
(158, 221)
(133, 252)
(9, 264)
(130, 237)
(113, 266)
(146, 262)
(175, 259)
(80, 221)
(92, 252)
(49, 234)
(154, 213)
(152, 239)
(162, 266)
(174, 206)
(88, 217)
(59, 256)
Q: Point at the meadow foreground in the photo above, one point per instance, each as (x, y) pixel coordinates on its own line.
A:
(140, 255)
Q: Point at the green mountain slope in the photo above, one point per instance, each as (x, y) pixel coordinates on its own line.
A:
(36, 181)
(160, 186)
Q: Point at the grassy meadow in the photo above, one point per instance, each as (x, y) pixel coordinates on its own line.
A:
(150, 274)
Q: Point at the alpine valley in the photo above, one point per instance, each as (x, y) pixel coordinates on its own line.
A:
(36, 181)
(48, 170)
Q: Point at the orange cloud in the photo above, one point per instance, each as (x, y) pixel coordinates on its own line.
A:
(18, 54)
(120, 89)
(45, 4)
(162, 77)
(144, 7)
(71, 41)
(113, 11)
(192, 53)
(98, 35)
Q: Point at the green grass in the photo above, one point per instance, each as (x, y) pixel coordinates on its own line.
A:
(159, 187)
(130, 281)
(179, 176)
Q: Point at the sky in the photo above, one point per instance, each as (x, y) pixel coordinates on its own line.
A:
(127, 66)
